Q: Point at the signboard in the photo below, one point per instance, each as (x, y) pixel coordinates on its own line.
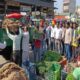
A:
(25, 8)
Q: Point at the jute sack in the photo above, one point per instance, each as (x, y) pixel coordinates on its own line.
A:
(11, 71)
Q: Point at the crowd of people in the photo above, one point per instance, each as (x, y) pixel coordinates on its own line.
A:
(16, 39)
(62, 37)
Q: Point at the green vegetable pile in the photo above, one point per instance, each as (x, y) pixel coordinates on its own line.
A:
(49, 59)
(43, 67)
(54, 73)
(52, 56)
(51, 68)
(37, 34)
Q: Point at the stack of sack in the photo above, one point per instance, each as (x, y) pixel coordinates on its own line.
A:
(11, 71)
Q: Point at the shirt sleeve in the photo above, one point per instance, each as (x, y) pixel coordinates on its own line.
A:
(20, 32)
(9, 35)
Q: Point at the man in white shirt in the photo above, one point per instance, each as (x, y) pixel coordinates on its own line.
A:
(58, 37)
(53, 38)
(16, 38)
(68, 41)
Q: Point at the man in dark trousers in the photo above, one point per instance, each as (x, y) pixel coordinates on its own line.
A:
(6, 40)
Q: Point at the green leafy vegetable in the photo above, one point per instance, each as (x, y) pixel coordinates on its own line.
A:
(52, 56)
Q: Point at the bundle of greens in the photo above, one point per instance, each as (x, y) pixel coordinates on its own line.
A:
(41, 68)
(37, 34)
(44, 67)
(52, 56)
(49, 59)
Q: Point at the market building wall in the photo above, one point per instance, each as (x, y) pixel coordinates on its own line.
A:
(43, 6)
(2, 6)
(37, 2)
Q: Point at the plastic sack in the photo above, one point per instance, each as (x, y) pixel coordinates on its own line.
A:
(11, 71)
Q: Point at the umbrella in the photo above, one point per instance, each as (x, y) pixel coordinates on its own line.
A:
(14, 15)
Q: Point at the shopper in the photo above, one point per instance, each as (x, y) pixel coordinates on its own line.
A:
(48, 35)
(78, 48)
(67, 41)
(31, 28)
(43, 39)
(63, 36)
(74, 42)
(58, 37)
(25, 45)
(53, 38)
(37, 44)
(16, 38)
